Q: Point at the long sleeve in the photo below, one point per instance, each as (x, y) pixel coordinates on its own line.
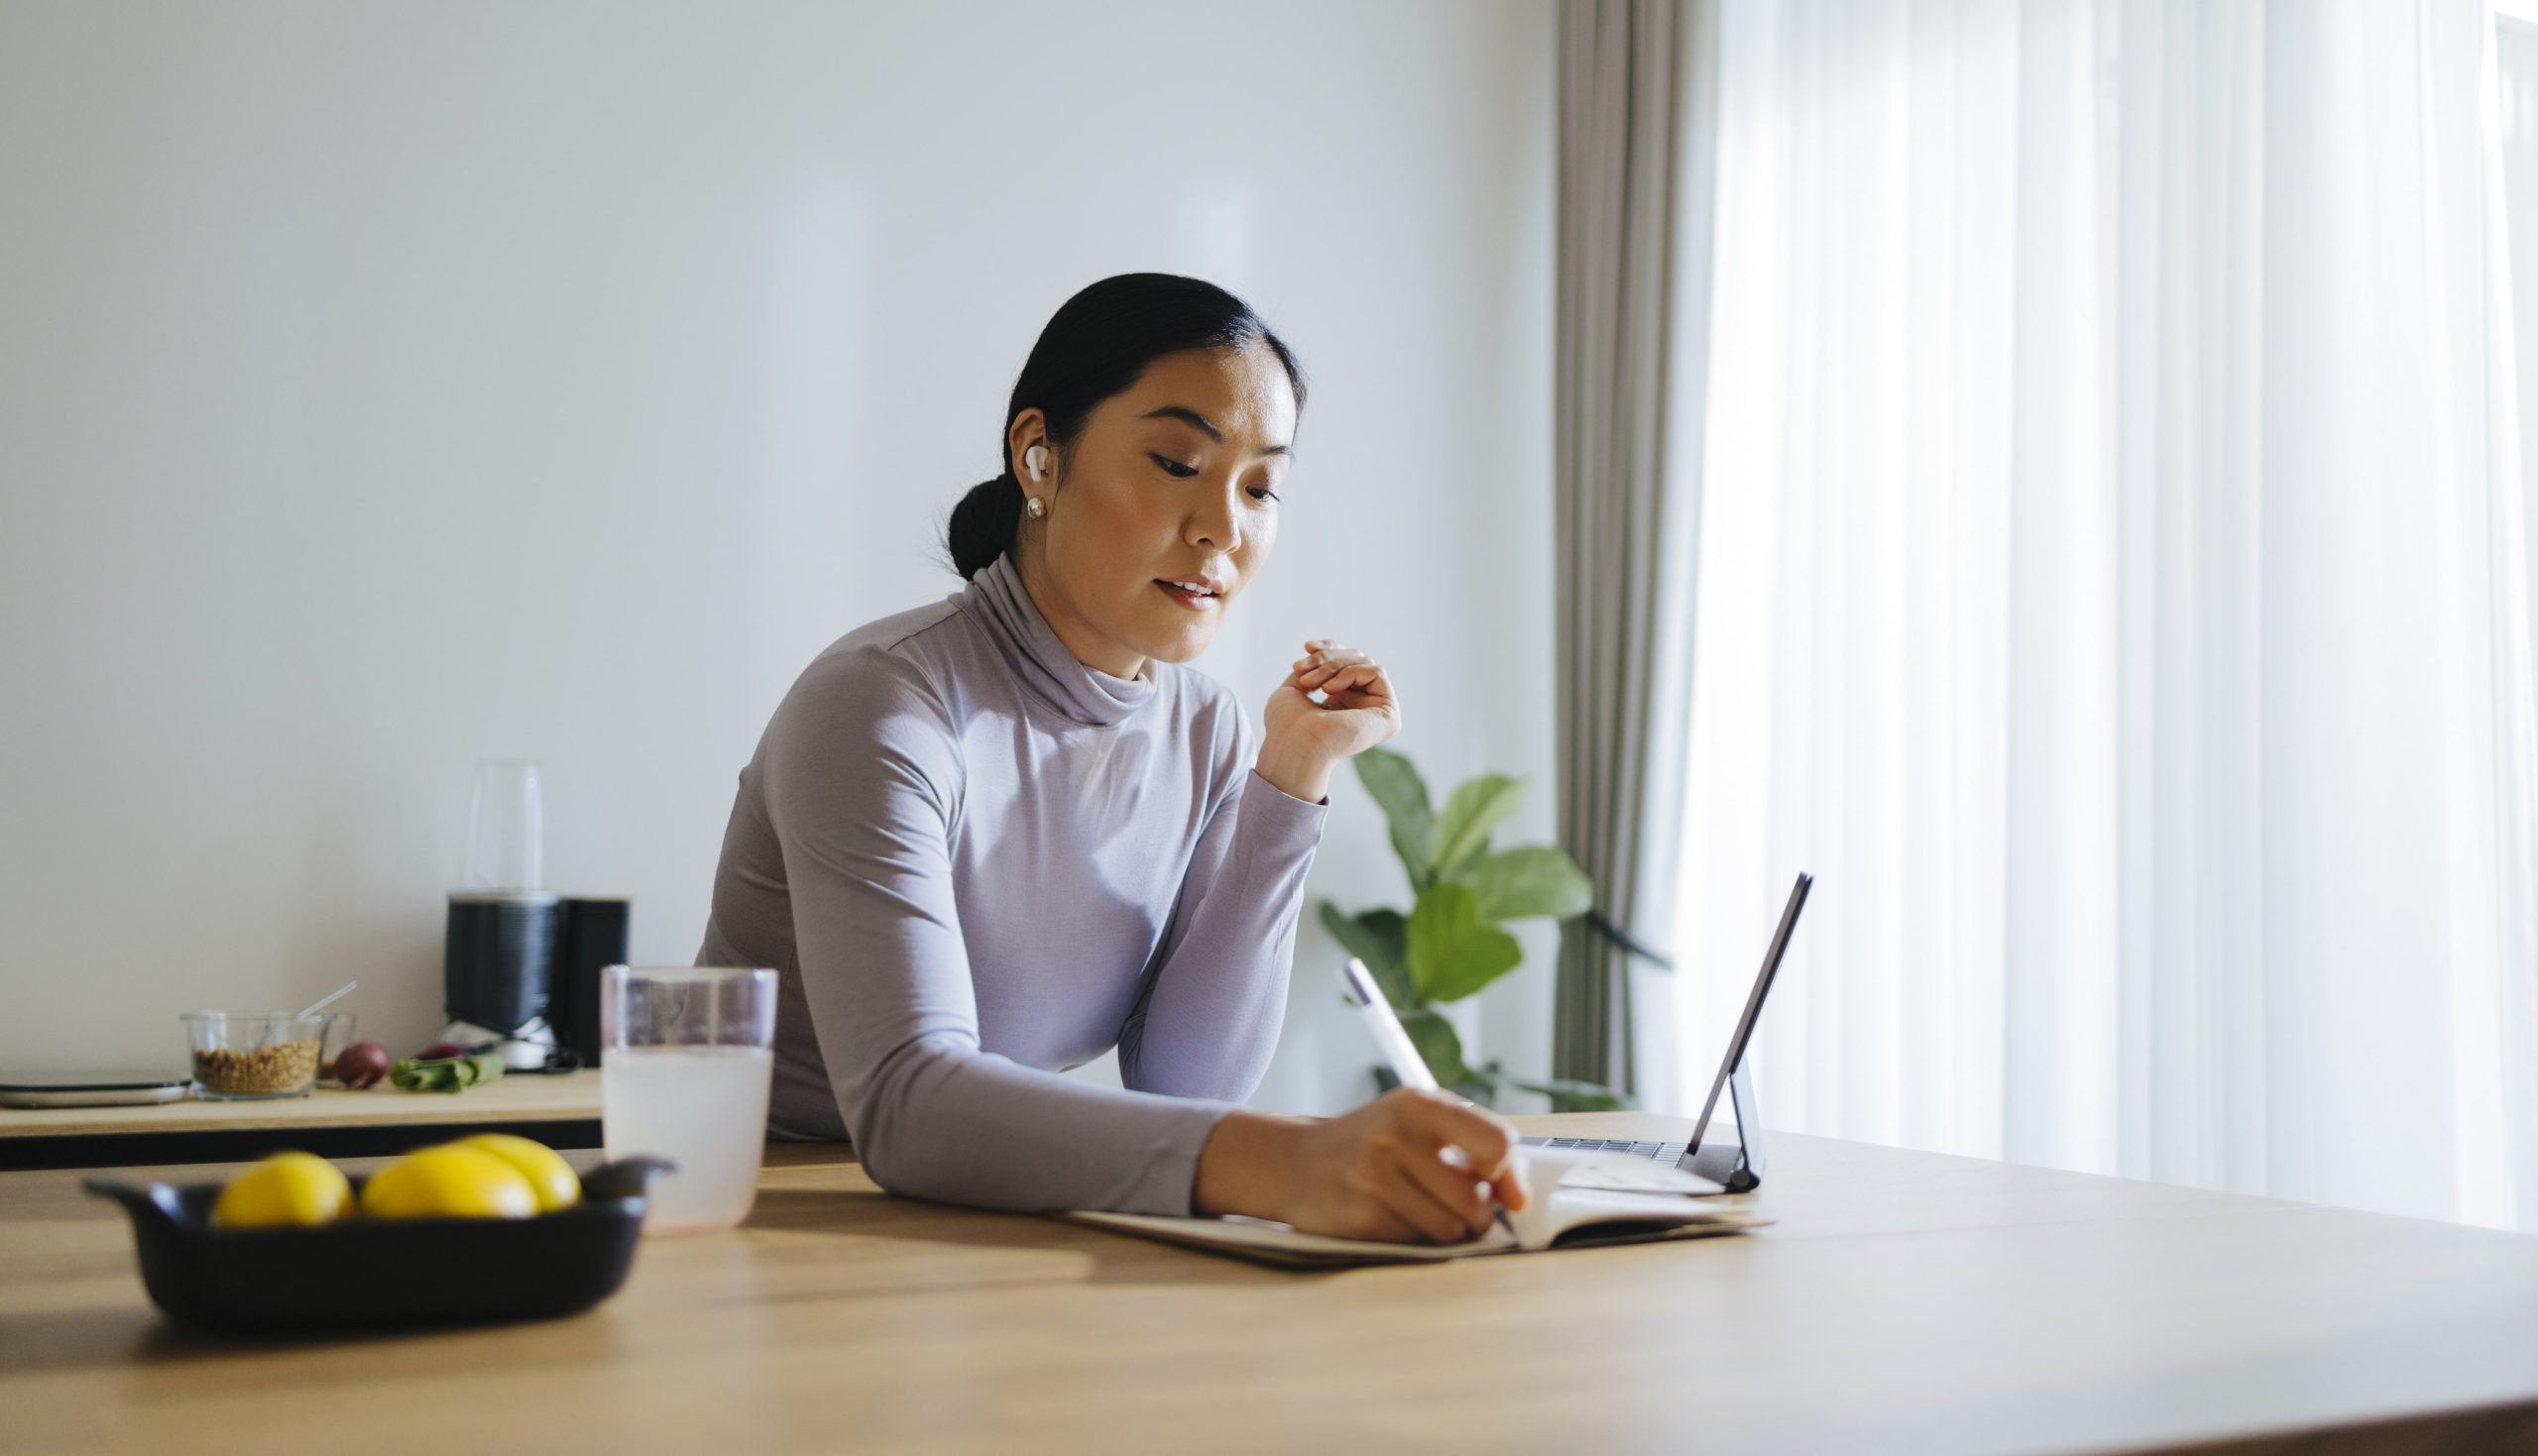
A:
(861, 777)
(1210, 1014)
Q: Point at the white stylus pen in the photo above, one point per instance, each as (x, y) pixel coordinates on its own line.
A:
(1357, 986)
(1408, 1067)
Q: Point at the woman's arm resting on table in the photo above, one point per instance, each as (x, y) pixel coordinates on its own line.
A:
(860, 772)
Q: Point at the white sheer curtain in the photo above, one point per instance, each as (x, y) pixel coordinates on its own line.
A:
(2114, 586)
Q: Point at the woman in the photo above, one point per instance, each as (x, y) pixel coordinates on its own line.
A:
(989, 838)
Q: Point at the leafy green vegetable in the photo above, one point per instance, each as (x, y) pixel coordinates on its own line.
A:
(445, 1073)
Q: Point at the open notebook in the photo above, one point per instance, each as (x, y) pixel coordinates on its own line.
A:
(1577, 1200)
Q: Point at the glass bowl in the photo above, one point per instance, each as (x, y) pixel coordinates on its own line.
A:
(249, 1055)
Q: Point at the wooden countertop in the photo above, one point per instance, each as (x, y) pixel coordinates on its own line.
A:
(541, 1097)
(1904, 1301)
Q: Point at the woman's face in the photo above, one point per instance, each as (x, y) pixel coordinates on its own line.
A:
(1172, 481)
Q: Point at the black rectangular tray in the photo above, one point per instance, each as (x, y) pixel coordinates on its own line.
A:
(364, 1273)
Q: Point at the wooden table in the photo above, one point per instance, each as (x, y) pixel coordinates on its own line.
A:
(1903, 1303)
(560, 1109)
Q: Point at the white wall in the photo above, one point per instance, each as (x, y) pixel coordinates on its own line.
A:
(385, 387)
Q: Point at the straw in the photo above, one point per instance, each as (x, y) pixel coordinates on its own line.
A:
(313, 1007)
(324, 1001)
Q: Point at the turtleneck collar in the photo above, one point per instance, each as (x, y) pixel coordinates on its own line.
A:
(1030, 646)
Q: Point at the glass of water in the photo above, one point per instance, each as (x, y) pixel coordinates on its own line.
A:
(685, 1061)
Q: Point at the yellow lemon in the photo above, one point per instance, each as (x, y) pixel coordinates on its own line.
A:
(448, 1182)
(548, 1174)
(286, 1188)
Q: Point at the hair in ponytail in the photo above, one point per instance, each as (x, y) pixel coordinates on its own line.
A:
(984, 525)
(1095, 346)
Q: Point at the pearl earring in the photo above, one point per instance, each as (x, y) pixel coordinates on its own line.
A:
(1034, 506)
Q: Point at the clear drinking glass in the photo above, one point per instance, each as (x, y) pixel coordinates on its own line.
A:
(685, 1061)
(506, 828)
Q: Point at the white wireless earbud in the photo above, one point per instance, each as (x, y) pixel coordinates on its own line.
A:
(1036, 460)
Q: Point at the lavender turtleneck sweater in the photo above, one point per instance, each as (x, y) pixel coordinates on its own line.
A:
(974, 861)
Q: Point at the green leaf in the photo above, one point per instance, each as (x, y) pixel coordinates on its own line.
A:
(1451, 954)
(1379, 938)
(1438, 1045)
(1462, 831)
(1482, 956)
(1536, 879)
(1443, 915)
(1397, 786)
(1574, 1097)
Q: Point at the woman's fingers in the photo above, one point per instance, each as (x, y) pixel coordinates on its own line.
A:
(1456, 1191)
(1408, 1166)
(1409, 1184)
(1333, 665)
(1358, 686)
(1343, 674)
(1438, 1158)
(1487, 1143)
(1340, 680)
(1327, 671)
(1319, 672)
(1330, 654)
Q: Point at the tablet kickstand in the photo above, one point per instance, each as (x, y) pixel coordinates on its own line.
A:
(1735, 1167)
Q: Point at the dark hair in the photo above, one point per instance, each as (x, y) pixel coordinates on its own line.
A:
(1097, 345)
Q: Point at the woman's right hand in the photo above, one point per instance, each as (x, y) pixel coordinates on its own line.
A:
(1385, 1171)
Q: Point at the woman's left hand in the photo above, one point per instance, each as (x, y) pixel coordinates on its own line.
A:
(1307, 740)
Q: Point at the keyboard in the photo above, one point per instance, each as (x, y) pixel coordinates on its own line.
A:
(1669, 1153)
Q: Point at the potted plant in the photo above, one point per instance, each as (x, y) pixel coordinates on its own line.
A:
(1453, 942)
